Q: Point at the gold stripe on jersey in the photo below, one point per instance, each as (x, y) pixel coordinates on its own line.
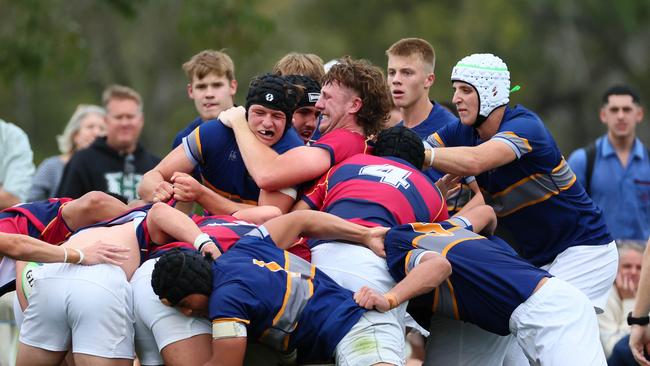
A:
(532, 190)
(230, 196)
(300, 289)
(223, 320)
(197, 138)
(522, 143)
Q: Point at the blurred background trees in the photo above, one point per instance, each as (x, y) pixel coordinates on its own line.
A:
(56, 54)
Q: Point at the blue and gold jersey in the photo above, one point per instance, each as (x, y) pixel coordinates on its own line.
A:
(488, 279)
(213, 147)
(536, 196)
(284, 301)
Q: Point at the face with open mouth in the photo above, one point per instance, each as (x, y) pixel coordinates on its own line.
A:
(409, 79)
(267, 124)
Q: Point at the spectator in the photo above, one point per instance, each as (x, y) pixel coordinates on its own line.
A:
(638, 318)
(16, 165)
(84, 126)
(115, 163)
(613, 322)
(16, 170)
(615, 169)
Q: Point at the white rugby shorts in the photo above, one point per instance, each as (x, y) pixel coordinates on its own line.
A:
(158, 325)
(88, 306)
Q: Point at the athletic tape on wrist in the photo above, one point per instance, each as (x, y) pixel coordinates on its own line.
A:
(200, 239)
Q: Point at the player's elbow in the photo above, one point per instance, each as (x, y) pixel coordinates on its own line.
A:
(148, 183)
(268, 181)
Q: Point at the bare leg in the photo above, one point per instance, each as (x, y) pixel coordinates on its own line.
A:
(195, 350)
(81, 359)
(91, 208)
(69, 360)
(32, 356)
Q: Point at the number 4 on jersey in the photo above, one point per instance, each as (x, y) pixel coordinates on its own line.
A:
(389, 174)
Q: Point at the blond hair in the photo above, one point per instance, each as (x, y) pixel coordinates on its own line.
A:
(66, 139)
(414, 46)
(207, 62)
(305, 64)
(121, 92)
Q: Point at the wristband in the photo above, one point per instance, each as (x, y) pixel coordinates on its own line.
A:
(65, 255)
(200, 239)
(642, 320)
(81, 255)
(431, 156)
(204, 244)
(392, 300)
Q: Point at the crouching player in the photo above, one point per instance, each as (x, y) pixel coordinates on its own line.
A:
(91, 307)
(490, 286)
(257, 291)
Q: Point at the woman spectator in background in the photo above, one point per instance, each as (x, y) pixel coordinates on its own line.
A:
(84, 126)
(614, 330)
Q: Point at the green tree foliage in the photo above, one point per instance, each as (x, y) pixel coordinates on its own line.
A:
(57, 54)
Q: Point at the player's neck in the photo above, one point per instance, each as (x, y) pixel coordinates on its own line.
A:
(416, 113)
(491, 125)
(350, 123)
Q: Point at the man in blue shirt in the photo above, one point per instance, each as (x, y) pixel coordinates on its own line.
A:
(620, 168)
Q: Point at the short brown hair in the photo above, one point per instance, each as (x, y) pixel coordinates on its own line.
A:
(368, 81)
(120, 92)
(304, 64)
(409, 46)
(209, 61)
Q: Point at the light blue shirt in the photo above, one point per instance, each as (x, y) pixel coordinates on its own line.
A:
(16, 160)
(623, 193)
